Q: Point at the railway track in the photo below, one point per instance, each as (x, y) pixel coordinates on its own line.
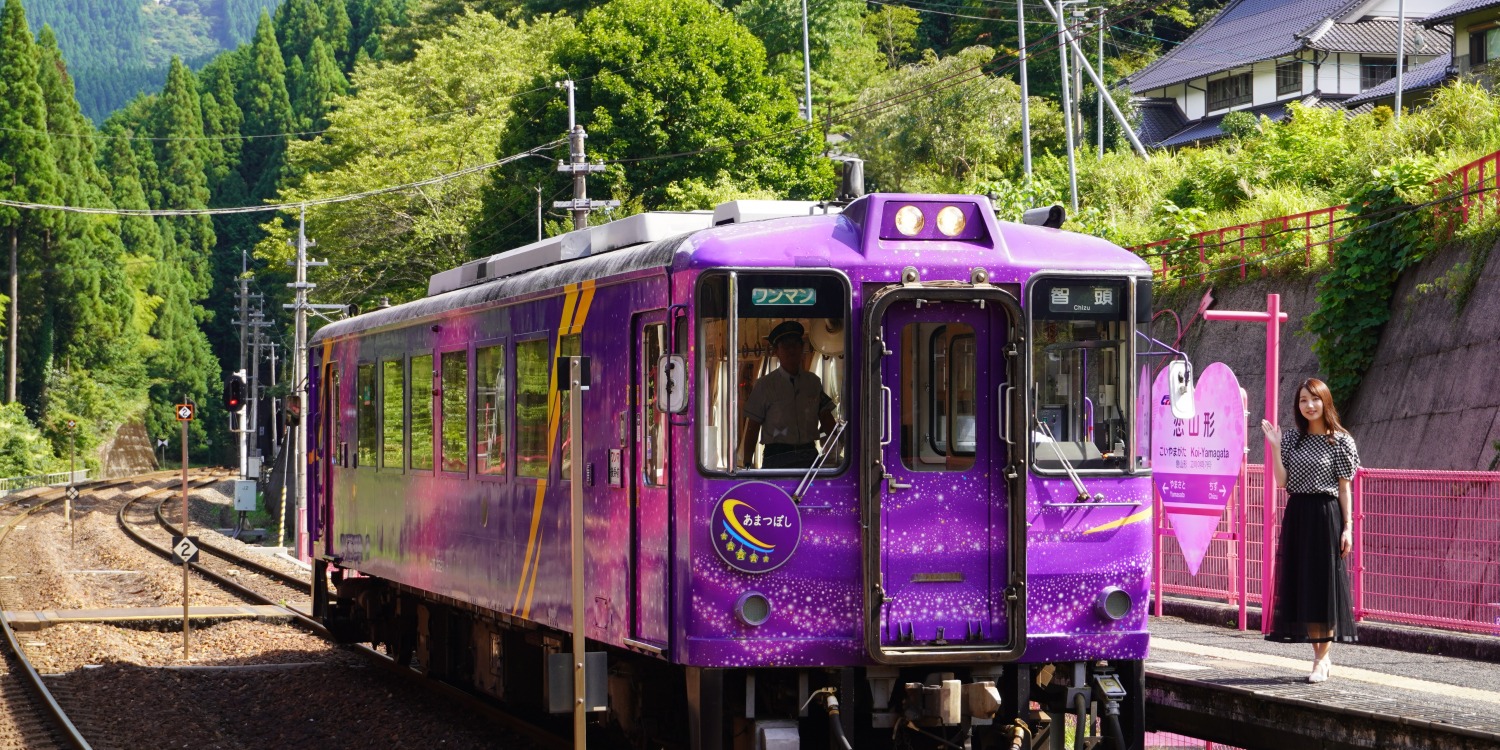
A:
(81, 707)
(269, 585)
(36, 718)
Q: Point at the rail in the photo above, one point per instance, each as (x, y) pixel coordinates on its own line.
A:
(1426, 549)
(16, 484)
(1283, 240)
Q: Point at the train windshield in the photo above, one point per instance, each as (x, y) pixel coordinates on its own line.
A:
(773, 376)
(1080, 368)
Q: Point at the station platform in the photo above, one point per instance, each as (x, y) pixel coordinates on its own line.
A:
(24, 620)
(1235, 688)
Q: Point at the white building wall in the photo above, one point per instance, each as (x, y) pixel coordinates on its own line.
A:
(1309, 78)
(1348, 74)
(1263, 83)
(1197, 99)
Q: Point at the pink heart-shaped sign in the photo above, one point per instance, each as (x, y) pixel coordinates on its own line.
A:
(1196, 462)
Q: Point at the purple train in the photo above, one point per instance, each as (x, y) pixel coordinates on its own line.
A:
(963, 557)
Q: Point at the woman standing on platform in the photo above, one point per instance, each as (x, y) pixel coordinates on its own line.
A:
(1316, 464)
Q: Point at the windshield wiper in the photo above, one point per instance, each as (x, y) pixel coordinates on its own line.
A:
(812, 471)
(1083, 492)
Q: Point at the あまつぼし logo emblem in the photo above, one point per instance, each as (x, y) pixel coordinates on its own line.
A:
(755, 527)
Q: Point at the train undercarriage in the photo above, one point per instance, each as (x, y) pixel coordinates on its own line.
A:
(654, 704)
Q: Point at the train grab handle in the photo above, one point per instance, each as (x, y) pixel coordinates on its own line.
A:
(1004, 413)
(885, 416)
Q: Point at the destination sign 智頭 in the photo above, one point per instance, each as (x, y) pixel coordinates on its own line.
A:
(1088, 299)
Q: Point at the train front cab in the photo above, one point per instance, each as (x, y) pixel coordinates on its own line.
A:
(952, 386)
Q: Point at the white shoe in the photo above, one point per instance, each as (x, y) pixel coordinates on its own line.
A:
(1320, 671)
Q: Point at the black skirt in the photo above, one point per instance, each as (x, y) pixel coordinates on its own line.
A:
(1313, 604)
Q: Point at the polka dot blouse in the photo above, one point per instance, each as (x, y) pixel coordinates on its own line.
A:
(1314, 464)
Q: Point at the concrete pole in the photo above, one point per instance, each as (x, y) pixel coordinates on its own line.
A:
(1099, 116)
(1067, 108)
(1025, 96)
(15, 316)
(1094, 76)
(1400, 54)
(806, 66)
(299, 379)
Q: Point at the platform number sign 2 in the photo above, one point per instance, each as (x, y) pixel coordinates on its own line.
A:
(185, 549)
(185, 412)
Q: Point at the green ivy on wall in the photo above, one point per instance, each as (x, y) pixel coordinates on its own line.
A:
(1386, 235)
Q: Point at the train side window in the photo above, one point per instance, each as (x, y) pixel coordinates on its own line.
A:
(365, 416)
(653, 419)
(532, 369)
(567, 346)
(489, 384)
(393, 415)
(456, 411)
(780, 427)
(421, 412)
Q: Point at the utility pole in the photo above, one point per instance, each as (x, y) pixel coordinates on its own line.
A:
(1067, 108)
(257, 325)
(1099, 117)
(299, 368)
(1079, 18)
(538, 212)
(15, 316)
(806, 67)
(578, 166)
(244, 341)
(1025, 97)
(1400, 54)
(1114, 109)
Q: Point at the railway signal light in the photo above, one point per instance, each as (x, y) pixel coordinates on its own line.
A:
(234, 392)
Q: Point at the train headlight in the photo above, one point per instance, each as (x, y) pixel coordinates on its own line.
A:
(909, 220)
(753, 608)
(1113, 603)
(951, 221)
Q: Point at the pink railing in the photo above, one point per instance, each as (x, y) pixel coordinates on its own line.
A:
(1427, 549)
(1259, 243)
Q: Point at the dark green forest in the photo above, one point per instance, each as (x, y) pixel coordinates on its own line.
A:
(119, 48)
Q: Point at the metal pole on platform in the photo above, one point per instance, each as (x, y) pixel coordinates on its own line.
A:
(1273, 317)
(186, 626)
(577, 383)
(1268, 512)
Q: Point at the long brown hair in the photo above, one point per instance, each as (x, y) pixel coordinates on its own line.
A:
(1319, 390)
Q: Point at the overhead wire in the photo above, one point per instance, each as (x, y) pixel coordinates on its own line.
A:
(273, 207)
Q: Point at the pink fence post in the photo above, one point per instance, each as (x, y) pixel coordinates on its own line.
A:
(1357, 524)
(1158, 522)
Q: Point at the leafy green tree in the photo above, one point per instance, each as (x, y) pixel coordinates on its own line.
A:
(297, 24)
(677, 90)
(438, 113)
(844, 58)
(27, 171)
(894, 28)
(24, 451)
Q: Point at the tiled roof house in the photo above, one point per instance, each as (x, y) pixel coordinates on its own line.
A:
(1476, 32)
(1260, 55)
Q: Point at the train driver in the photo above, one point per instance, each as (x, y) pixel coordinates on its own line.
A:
(787, 408)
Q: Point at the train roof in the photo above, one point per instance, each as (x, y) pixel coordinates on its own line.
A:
(654, 240)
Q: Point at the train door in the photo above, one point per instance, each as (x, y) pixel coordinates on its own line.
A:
(331, 452)
(648, 481)
(941, 498)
